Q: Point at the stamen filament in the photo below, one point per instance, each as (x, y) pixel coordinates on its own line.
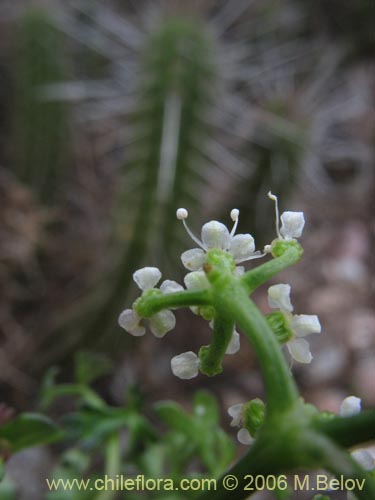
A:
(274, 198)
(234, 215)
(183, 214)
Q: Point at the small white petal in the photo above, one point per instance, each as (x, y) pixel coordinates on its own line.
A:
(193, 259)
(215, 235)
(234, 344)
(364, 458)
(196, 280)
(129, 321)
(239, 271)
(242, 247)
(300, 350)
(147, 277)
(350, 406)
(304, 324)
(162, 322)
(279, 297)
(292, 224)
(170, 286)
(235, 411)
(244, 437)
(185, 365)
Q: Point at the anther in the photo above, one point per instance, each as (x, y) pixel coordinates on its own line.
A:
(182, 214)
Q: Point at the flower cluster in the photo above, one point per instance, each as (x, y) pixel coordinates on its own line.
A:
(161, 322)
(241, 248)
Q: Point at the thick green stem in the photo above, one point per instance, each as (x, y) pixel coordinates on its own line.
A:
(280, 388)
(211, 356)
(348, 431)
(147, 305)
(252, 279)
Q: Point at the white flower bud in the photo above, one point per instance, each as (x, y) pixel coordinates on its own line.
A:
(292, 224)
(162, 322)
(350, 406)
(304, 324)
(234, 344)
(129, 321)
(193, 259)
(185, 365)
(279, 297)
(215, 235)
(242, 247)
(147, 277)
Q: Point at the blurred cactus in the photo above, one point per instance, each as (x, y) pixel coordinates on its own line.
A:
(40, 126)
(163, 170)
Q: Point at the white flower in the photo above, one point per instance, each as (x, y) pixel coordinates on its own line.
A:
(350, 406)
(185, 365)
(300, 324)
(161, 322)
(216, 235)
(243, 435)
(292, 223)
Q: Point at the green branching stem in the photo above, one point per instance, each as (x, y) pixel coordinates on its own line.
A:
(280, 388)
(256, 277)
(150, 304)
(348, 431)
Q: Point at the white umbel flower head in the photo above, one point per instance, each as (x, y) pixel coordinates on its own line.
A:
(236, 412)
(161, 322)
(350, 406)
(301, 324)
(185, 365)
(214, 234)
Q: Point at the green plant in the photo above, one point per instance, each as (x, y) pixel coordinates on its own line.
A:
(40, 126)
(289, 434)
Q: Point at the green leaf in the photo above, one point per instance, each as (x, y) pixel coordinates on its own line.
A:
(206, 408)
(176, 417)
(90, 366)
(84, 393)
(29, 429)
